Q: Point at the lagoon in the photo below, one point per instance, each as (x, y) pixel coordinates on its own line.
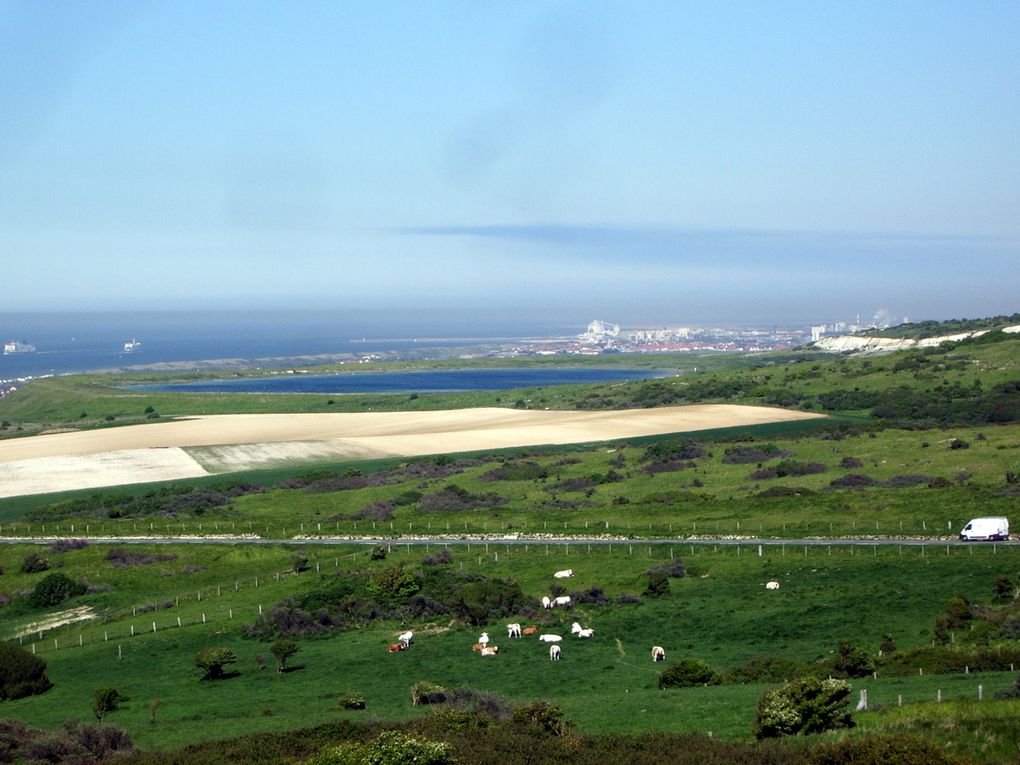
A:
(455, 380)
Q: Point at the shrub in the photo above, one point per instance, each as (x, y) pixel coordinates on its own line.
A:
(425, 692)
(883, 750)
(852, 661)
(738, 455)
(379, 552)
(34, 563)
(542, 717)
(390, 748)
(627, 597)
(769, 669)
(594, 596)
(484, 703)
(788, 468)
(687, 673)
(804, 705)
(853, 481)
(958, 443)
(21, 673)
(121, 557)
(55, 589)
(850, 462)
(442, 558)
(658, 585)
(352, 701)
(66, 545)
(213, 660)
(515, 471)
(675, 569)
(1012, 692)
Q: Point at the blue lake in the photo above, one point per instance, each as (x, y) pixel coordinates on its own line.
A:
(412, 382)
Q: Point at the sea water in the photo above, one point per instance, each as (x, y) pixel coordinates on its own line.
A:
(80, 342)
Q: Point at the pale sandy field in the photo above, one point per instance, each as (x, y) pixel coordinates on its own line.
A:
(233, 442)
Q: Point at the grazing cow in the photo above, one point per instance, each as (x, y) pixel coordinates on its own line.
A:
(478, 647)
(564, 574)
(532, 630)
(554, 652)
(586, 633)
(406, 637)
(395, 647)
(575, 628)
(562, 600)
(490, 650)
(547, 638)
(513, 630)
(772, 585)
(546, 602)
(658, 653)
(484, 639)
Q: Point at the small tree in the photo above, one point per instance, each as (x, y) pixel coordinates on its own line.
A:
(106, 700)
(283, 649)
(852, 661)
(213, 660)
(804, 705)
(888, 645)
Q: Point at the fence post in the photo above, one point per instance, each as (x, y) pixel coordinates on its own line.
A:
(981, 693)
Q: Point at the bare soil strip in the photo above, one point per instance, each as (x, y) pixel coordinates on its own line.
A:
(235, 442)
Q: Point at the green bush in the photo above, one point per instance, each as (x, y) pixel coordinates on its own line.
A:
(687, 673)
(283, 649)
(21, 673)
(54, 589)
(804, 705)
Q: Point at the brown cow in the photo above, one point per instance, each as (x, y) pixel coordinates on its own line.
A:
(530, 630)
(395, 647)
(477, 647)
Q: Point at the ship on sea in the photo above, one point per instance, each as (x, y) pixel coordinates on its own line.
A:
(18, 347)
(132, 346)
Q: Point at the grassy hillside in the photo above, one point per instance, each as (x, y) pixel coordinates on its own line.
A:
(825, 482)
(720, 613)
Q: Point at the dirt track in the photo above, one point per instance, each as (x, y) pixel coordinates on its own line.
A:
(226, 443)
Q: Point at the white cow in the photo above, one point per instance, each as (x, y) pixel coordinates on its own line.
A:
(586, 633)
(658, 653)
(564, 574)
(575, 628)
(406, 638)
(490, 650)
(484, 639)
(562, 600)
(513, 630)
(554, 652)
(772, 585)
(546, 602)
(547, 638)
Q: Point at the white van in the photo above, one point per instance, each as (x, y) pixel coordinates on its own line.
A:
(986, 528)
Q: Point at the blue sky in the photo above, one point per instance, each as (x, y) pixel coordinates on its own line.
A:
(641, 162)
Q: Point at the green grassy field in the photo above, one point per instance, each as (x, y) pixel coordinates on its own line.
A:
(721, 614)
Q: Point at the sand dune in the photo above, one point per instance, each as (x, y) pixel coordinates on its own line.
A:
(226, 443)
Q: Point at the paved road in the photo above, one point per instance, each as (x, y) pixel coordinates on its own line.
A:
(501, 540)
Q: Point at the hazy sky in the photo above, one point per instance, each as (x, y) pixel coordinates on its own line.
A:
(649, 162)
